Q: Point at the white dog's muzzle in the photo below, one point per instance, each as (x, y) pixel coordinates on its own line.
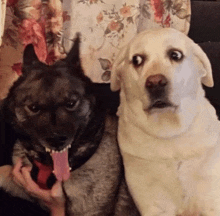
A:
(157, 87)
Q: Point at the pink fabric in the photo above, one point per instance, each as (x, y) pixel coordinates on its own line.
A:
(158, 8)
(30, 31)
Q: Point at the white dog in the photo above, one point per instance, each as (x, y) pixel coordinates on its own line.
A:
(168, 131)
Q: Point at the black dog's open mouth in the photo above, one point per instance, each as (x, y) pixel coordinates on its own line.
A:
(61, 168)
(57, 151)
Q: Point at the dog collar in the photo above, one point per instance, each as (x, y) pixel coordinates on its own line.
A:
(43, 174)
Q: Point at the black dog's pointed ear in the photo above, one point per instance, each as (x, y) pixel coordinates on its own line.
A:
(29, 56)
(73, 56)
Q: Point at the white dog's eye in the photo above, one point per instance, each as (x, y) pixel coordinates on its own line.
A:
(137, 60)
(176, 55)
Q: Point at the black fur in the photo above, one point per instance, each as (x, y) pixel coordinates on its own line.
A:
(51, 88)
(54, 106)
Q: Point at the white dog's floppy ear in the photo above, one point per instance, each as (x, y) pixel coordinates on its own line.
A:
(117, 69)
(207, 79)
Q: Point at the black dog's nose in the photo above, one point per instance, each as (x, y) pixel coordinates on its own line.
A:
(156, 81)
(62, 138)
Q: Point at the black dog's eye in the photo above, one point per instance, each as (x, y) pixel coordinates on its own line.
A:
(176, 55)
(71, 105)
(34, 108)
(137, 60)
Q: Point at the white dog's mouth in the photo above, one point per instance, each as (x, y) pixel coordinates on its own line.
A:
(160, 105)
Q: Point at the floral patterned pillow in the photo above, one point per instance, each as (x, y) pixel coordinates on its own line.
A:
(165, 13)
(107, 25)
(29, 21)
(2, 18)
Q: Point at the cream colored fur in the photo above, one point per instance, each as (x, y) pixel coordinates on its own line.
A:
(171, 155)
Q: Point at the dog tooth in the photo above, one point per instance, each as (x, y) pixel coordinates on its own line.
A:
(47, 149)
(70, 168)
(53, 151)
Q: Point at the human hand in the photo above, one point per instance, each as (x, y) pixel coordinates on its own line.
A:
(54, 198)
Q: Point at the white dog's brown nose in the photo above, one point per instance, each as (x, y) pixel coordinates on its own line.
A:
(156, 86)
(156, 81)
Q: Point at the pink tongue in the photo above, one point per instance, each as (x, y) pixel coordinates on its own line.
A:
(61, 165)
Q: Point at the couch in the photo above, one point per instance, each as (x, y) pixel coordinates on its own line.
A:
(204, 30)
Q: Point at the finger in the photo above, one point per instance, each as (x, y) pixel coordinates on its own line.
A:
(17, 166)
(5, 171)
(16, 173)
(57, 190)
(33, 188)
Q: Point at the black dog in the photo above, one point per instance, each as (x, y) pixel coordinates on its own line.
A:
(63, 126)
